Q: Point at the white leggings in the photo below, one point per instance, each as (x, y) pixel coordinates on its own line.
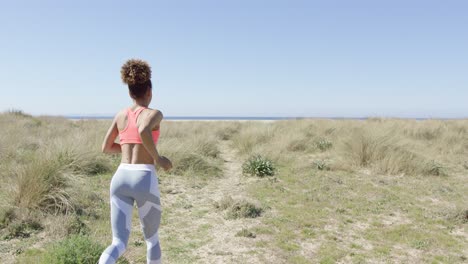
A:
(134, 182)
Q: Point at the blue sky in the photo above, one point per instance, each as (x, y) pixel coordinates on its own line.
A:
(238, 58)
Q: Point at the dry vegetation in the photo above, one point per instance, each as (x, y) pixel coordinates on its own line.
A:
(342, 191)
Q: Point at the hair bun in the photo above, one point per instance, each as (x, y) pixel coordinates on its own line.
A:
(135, 71)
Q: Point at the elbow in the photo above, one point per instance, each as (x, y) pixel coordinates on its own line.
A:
(142, 131)
(104, 148)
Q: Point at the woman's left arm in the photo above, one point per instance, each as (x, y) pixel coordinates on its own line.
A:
(109, 146)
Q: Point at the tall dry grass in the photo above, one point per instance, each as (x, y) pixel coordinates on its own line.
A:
(42, 156)
(387, 146)
(43, 163)
(45, 160)
(193, 147)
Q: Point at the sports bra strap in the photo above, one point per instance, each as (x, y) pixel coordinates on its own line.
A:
(130, 133)
(136, 113)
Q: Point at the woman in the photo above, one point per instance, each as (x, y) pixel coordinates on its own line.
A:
(136, 178)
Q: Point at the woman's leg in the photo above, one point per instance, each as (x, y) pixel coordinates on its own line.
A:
(121, 221)
(149, 210)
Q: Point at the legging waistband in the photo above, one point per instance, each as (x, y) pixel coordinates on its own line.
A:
(128, 166)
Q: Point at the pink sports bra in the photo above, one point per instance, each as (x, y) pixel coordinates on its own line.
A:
(130, 133)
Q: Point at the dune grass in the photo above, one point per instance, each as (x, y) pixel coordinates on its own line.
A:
(192, 148)
(347, 191)
(364, 191)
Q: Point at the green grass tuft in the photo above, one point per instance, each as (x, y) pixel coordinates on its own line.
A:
(435, 168)
(260, 166)
(75, 249)
(323, 144)
(321, 165)
(238, 209)
(22, 229)
(245, 233)
(243, 209)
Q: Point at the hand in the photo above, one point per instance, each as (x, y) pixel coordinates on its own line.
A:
(165, 163)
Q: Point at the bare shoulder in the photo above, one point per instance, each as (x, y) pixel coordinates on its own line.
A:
(120, 115)
(155, 113)
(153, 117)
(119, 119)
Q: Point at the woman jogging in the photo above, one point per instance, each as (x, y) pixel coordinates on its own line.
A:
(136, 178)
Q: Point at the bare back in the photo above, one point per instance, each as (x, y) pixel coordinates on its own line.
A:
(134, 153)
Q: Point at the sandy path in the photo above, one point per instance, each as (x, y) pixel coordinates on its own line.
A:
(225, 247)
(220, 243)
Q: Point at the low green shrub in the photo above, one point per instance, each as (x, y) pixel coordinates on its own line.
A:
(257, 165)
(321, 165)
(323, 144)
(245, 233)
(462, 216)
(75, 249)
(238, 209)
(6, 216)
(75, 226)
(22, 228)
(435, 168)
(243, 209)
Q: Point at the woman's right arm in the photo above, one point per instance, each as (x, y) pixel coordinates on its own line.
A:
(153, 119)
(108, 145)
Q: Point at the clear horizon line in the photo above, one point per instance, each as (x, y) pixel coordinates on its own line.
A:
(257, 117)
(183, 117)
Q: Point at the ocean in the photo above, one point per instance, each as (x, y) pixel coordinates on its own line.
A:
(234, 118)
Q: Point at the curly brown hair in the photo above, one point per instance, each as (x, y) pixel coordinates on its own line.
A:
(136, 74)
